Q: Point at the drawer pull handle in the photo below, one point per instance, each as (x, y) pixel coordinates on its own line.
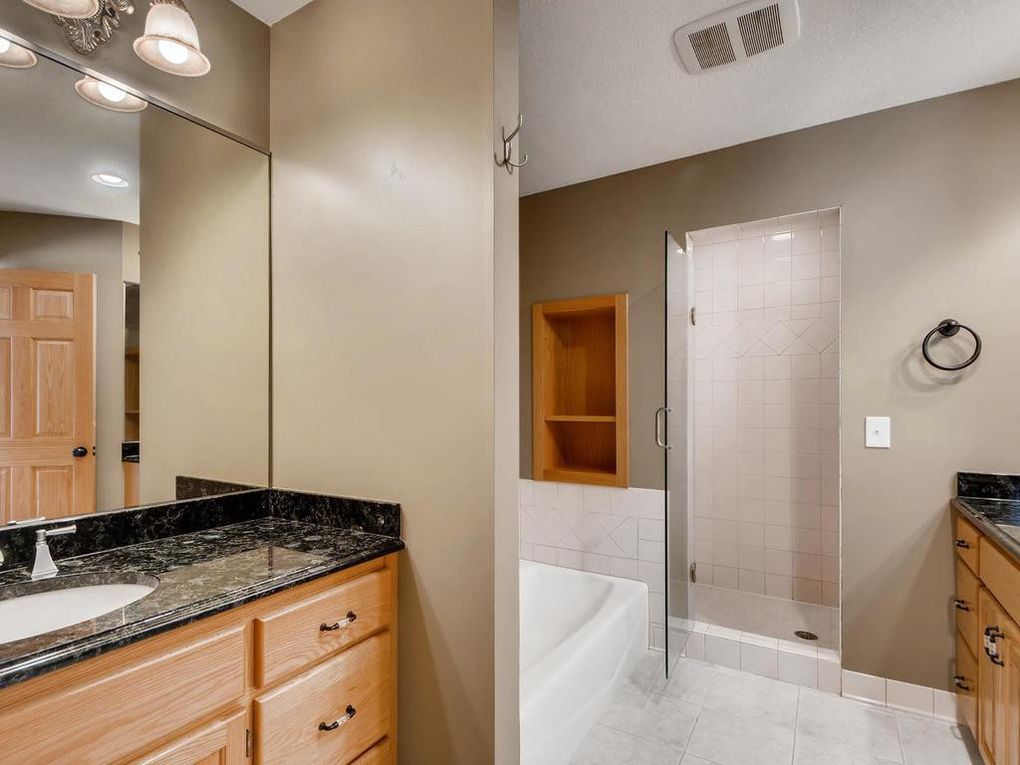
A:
(961, 605)
(963, 543)
(961, 682)
(351, 711)
(345, 622)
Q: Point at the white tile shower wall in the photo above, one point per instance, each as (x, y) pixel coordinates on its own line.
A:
(766, 407)
(604, 530)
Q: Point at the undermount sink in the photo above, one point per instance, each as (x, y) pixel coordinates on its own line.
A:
(34, 608)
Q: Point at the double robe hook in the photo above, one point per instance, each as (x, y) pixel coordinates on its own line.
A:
(507, 160)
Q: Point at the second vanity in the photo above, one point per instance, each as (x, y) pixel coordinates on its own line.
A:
(267, 634)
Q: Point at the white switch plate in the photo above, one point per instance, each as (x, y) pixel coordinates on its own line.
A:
(877, 432)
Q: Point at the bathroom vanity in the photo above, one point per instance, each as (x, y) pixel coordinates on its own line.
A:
(986, 538)
(270, 638)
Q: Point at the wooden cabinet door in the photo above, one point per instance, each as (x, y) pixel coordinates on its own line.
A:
(47, 394)
(223, 742)
(1011, 690)
(991, 684)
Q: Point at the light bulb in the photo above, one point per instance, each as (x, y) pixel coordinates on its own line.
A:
(172, 51)
(110, 93)
(109, 179)
(5, 45)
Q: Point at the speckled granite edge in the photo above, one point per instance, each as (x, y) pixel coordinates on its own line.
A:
(372, 516)
(971, 509)
(193, 487)
(988, 485)
(119, 528)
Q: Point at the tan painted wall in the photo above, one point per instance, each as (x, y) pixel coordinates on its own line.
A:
(233, 96)
(929, 195)
(204, 307)
(383, 319)
(84, 245)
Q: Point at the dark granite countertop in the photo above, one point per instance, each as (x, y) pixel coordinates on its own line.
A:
(199, 574)
(998, 519)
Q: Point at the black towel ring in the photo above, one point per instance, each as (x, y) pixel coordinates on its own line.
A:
(948, 328)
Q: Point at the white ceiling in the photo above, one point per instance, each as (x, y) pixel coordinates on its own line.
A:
(52, 142)
(271, 11)
(603, 89)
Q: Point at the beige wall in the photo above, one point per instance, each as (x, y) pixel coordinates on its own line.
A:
(204, 307)
(929, 195)
(84, 245)
(384, 287)
(233, 96)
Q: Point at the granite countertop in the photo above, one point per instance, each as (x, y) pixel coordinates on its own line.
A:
(998, 519)
(199, 574)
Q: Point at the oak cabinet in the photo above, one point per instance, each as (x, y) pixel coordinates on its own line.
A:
(306, 676)
(988, 644)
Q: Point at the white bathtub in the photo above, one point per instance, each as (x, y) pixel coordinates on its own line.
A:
(581, 635)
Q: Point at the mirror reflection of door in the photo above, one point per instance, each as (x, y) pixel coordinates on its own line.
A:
(47, 394)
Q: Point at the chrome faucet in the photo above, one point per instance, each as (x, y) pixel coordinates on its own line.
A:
(44, 567)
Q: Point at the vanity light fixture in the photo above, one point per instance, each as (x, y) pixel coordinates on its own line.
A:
(110, 179)
(100, 93)
(69, 9)
(13, 56)
(170, 42)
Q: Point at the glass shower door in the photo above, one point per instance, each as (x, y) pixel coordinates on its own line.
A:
(673, 435)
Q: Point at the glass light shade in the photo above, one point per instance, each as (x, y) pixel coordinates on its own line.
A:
(71, 9)
(13, 56)
(108, 96)
(170, 42)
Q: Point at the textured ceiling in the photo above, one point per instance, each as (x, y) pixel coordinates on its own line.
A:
(603, 90)
(271, 11)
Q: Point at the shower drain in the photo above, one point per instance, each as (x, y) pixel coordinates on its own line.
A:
(805, 635)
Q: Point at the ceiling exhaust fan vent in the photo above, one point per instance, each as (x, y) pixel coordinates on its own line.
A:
(735, 34)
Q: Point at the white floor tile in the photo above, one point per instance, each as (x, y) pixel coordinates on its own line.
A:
(933, 742)
(690, 759)
(868, 728)
(605, 746)
(754, 698)
(727, 740)
(661, 719)
(814, 750)
(691, 681)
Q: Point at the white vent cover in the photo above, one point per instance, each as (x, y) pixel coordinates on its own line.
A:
(737, 33)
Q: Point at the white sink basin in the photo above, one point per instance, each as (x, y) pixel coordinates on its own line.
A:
(56, 603)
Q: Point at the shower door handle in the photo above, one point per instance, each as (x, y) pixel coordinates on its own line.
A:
(661, 415)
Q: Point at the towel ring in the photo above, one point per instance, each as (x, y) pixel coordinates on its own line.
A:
(949, 328)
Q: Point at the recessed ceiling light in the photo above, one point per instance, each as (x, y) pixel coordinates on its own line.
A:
(170, 42)
(13, 56)
(108, 96)
(109, 179)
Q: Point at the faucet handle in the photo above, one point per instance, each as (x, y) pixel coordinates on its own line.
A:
(42, 534)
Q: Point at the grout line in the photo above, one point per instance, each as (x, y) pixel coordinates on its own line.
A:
(796, 722)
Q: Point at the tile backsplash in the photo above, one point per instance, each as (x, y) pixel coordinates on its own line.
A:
(604, 530)
(766, 406)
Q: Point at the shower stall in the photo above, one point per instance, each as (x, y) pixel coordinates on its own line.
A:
(749, 429)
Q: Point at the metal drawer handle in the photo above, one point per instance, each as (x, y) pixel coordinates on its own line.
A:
(346, 622)
(963, 543)
(351, 711)
(961, 682)
(961, 605)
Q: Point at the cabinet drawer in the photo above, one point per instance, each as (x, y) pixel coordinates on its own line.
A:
(111, 717)
(965, 541)
(1001, 576)
(289, 720)
(297, 636)
(966, 605)
(965, 681)
(380, 754)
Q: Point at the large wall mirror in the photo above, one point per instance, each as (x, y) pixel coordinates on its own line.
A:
(134, 301)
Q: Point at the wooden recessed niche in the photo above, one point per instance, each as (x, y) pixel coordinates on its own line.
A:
(579, 398)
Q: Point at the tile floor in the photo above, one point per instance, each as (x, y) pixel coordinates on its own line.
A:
(708, 715)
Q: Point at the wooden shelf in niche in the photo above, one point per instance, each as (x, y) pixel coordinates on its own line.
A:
(579, 396)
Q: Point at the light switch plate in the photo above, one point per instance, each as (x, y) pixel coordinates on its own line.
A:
(877, 432)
